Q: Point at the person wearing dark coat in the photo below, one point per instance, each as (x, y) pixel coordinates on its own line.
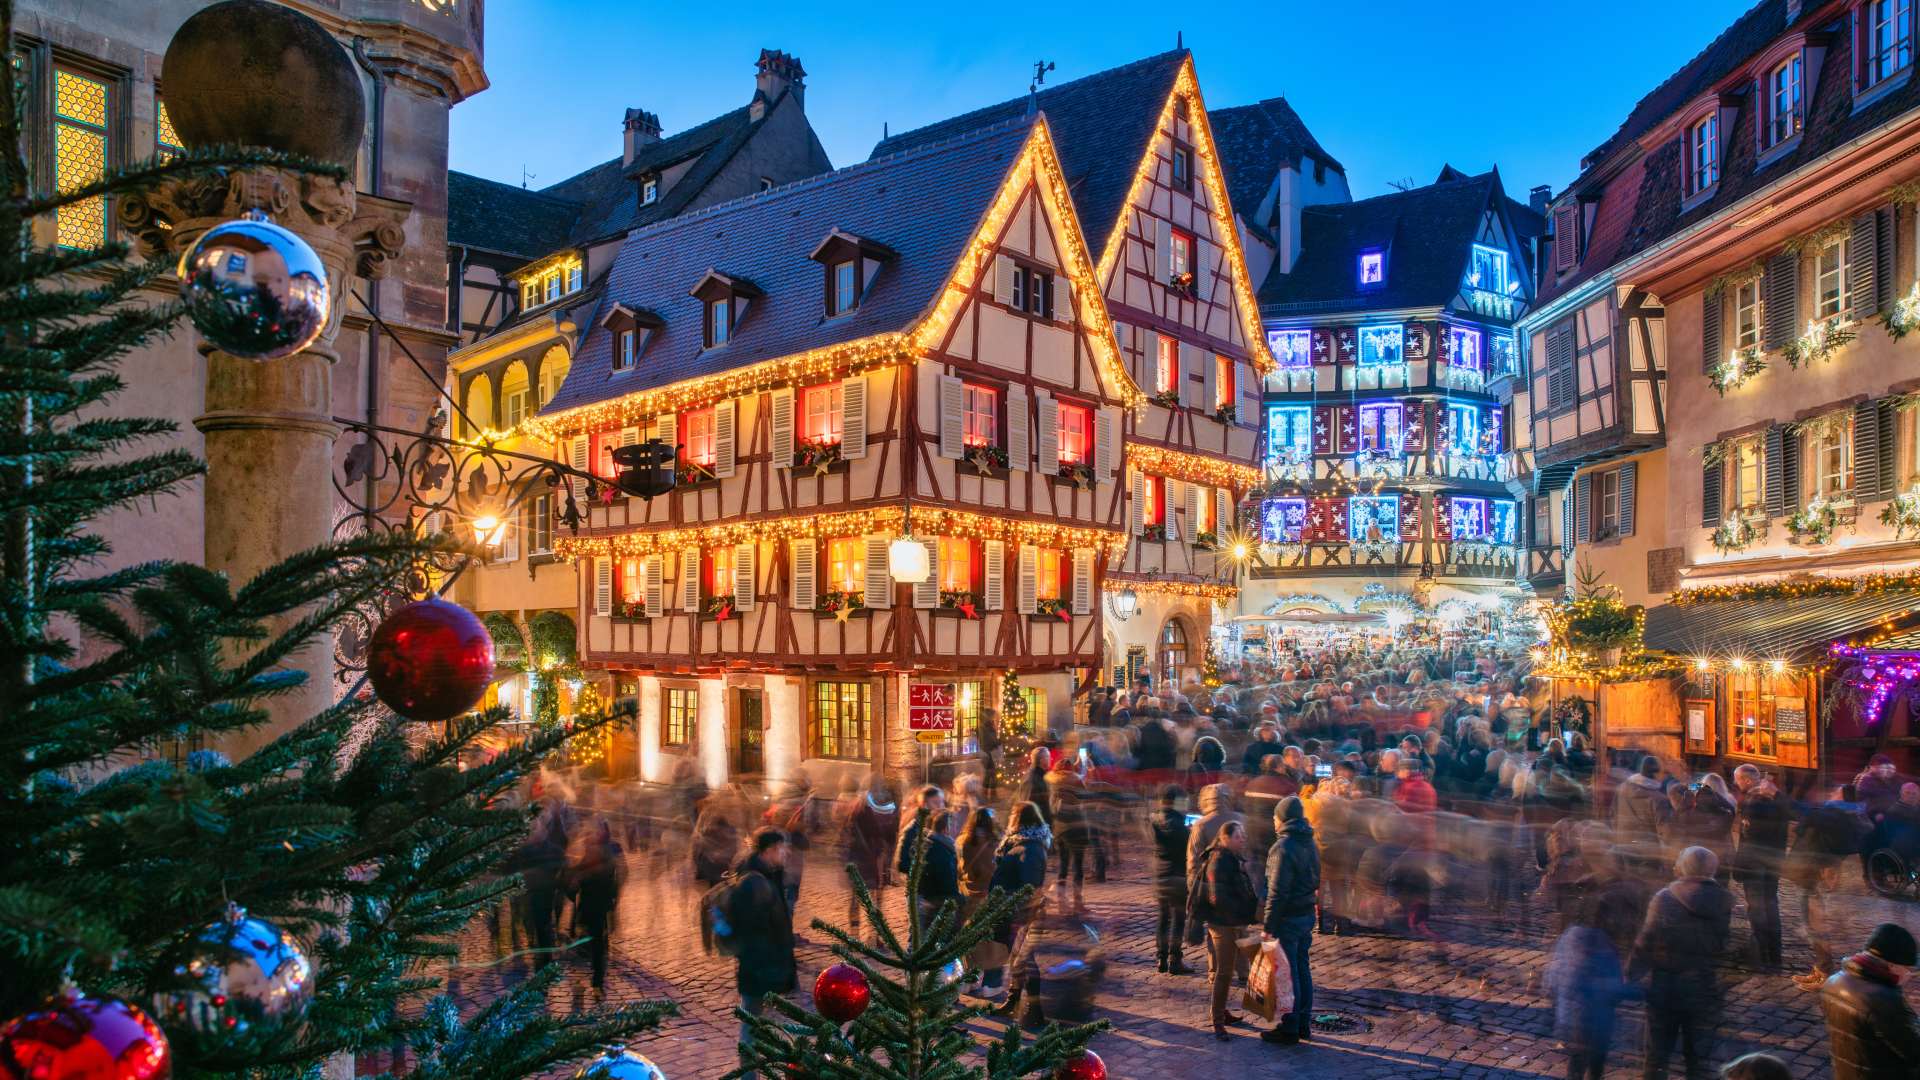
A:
(1679, 946)
(1020, 863)
(1209, 763)
(933, 800)
(1265, 744)
(1870, 1028)
(1763, 820)
(1293, 891)
(940, 874)
(762, 926)
(1220, 896)
(1169, 829)
(868, 837)
(541, 861)
(1153, 746)
(1585, 981)
(595, 882)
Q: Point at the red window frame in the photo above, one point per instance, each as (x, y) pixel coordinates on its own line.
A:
(600, 463)
(1185, 252)
(1223, 381)
(979, 409)
(1051, 566)
(1076, 434)
(831, 432)
(697, 445)
(716, 574)
(1166, 372)
(631, 583)
(962, 564)
(1702, 171)
(1154, 510)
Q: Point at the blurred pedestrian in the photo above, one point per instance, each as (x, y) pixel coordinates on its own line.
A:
(1169, 831)
(1870, 1027)
(1293, 890)
(1679, 944)
(868, 838)
(1763, 821)
(1585, 981)
(594, 880)
(761, 926)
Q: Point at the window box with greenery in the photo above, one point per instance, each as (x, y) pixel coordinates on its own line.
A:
(1741, 530)
(1376, 551)
(630, 610)
(688, 474)
(719, 608)
(1733, 372)
(819, 455)
(834, 602)
(964, 602)
(1166, 399)
(987, 459)
(1182, 283)
(1154, 533)
(1206, 540)
(1228, 414)
(1079, 473)
(1813, 524)
(1819, 341)
(1052, 607)
(1902, 515)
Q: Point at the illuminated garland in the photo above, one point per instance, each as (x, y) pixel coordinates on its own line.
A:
(1226, 233)
(1865, 585)
(1116, 583)
(886, 520)
(1191, 467)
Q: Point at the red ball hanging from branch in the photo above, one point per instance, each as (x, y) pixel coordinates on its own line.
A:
(841, 993)
(430, 660)
(1086, 1065)
(76, 1037)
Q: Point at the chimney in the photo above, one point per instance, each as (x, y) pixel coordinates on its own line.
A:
(1538, 198)
(642, 130)
(777, 73)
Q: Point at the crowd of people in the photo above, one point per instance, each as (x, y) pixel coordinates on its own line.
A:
(1335, 791)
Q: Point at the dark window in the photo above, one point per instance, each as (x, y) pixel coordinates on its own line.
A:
(1182, 167)
(1033, 291)
(719, 321)
(843, 288)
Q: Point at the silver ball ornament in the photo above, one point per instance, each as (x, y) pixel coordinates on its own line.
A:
(241, 980)
(255, 290)
(619, 1065)
(952, 972)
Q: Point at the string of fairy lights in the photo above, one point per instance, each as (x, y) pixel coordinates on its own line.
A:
(880, 520)
(1192, 468)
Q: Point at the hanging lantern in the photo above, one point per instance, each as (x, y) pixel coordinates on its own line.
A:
(1125, 603)
(907, 560)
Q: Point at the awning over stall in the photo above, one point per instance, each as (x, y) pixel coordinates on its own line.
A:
(1794, 629)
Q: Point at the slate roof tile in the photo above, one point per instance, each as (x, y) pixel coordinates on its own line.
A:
(1254, 141)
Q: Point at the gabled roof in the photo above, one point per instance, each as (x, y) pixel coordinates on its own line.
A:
(610, 191)
(1100, 126)
(925, 204)
(492, 216)
(1425, 231)
(1254, 141)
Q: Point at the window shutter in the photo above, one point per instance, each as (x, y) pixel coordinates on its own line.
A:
(1083, 581)
(1062, 299)
(1019, 454)
(1003, 279)
(1209, 381)
(780, 420)
(1222, 511)
(1887, 424)
(1189, 367)
(1047, 445)
(665, 428)
(1782, 307)
(726, 454)
(743, 582)
(1139, 503)
(1162, 250)
(1583, 509)
(1863, 266)
(1409, 517)
(690, 579)
(953, 396)
(603, 586)
(994, 589)
(1866, 451)
(1885, 220)
(1106, 438)
(802, 553)
(656, 599)
(1566, 523)
(1413, 427)
(1194, 493)
(1028, 597)
(1566, 236)
(878, 587)
(926, 594)
(1774, 466)
(578, 453)
(1710, 479)
(1711, 349)
(1629, 480)
(1202, 272)
(853, 418)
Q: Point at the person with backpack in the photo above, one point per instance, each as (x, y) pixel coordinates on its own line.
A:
(940, 874)
(1020, 863)
(1220, 897)
(745, 917)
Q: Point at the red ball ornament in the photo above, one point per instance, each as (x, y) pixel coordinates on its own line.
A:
(841, 993)
(76, 1037)
(430, 660)
(1085, 1066)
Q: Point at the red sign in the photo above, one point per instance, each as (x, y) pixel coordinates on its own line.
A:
(930, 706)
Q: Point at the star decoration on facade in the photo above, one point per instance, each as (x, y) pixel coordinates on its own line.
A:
(842, 613)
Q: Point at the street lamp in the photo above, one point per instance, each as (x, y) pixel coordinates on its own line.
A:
(1124, 603)
(907, 561)
(489, 530)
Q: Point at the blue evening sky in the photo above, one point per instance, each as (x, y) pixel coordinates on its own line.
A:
(1392, 88)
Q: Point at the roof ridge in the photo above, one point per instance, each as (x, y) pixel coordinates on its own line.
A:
(1725, 32)
(538, 193)
(1057, 88)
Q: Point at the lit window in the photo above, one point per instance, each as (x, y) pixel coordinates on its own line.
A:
(1469, 518)
(1466, 348)
(1206, 512)
(822, 414)
(1830, 280)
(1487, 270)
(1373, 518)
(1166, 373)
(166, 141)
(696, 436)
(604, 444)
(842, 719)
(956, 564)
(1380, 427)
(1505, 356)
(981, 417)
(1289, 432)
(1463, 428)
(1173, 648)
(80, 123)
(719, 321)
(847, 564)
(1746, 315)
(649, 191)
(1181, 259)
(551, 279)
(1743, 476)
(719, 575)
(1703, 154)
(530, 293)
(623, 351)
(513, 397)
(683, 716)
(1783, 101)
(630, 581)
(1076, 434)
(576, 273)
(846, 287)
(1154, 510)
(1281, 520)
(1373, 268)
(1052, 565)
(1886, 40)
(1831, 452)
(1223, 385)
(1182, 167)
(1380, 345)
(1292, 349)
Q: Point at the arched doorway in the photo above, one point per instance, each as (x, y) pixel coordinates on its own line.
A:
(1174, 649)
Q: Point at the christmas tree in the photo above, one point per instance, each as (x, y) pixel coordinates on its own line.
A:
(909, 1022)
(1016, 731)
(362, 838)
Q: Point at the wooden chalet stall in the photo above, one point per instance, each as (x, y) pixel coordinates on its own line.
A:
(884, 353)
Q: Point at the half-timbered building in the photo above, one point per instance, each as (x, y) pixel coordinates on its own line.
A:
(1388, 450)
(1141, 162)
(865, 370)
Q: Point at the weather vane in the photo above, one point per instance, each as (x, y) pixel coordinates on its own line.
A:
(1040, 69)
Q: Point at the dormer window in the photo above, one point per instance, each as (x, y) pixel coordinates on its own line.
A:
(630, 330)
(845, 290)
(723, 303)
(1703, 153)
(546, 284)
(719, 321)
(649, 191)
(1487, 270)
(1373, 268)
(849, 264)
(1885, 40)
(623, 351)
(1782, 102)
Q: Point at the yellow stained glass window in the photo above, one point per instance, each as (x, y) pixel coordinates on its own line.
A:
(166, 141)
(79, 155)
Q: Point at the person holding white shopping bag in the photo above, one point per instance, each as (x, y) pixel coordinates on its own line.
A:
(1293, 888)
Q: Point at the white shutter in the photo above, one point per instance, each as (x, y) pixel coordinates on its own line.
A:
(1162, 250)
(1189, 367)
(853, 418)
(781, 422)
(926, 594)
(1222, 511)
(1196, 494)
(1003, 279)
(878, 586)
(1083, 581)
(1047, 450)
(1018, 453)
(578, 454)
(690, 579)
(1138, 505)
(603, 586)
(801, 553)
(656, 570)
(665, 428)
(953, 396)
(743, 584)
(1106, 439)
(631, 435)
(1179, 494)
(993, 591)
(1202, 271)
(1209, 381)
(1028, 597)
(1062, 299)
(726, 454)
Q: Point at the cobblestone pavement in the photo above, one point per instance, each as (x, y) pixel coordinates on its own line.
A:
(1466, 1006)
